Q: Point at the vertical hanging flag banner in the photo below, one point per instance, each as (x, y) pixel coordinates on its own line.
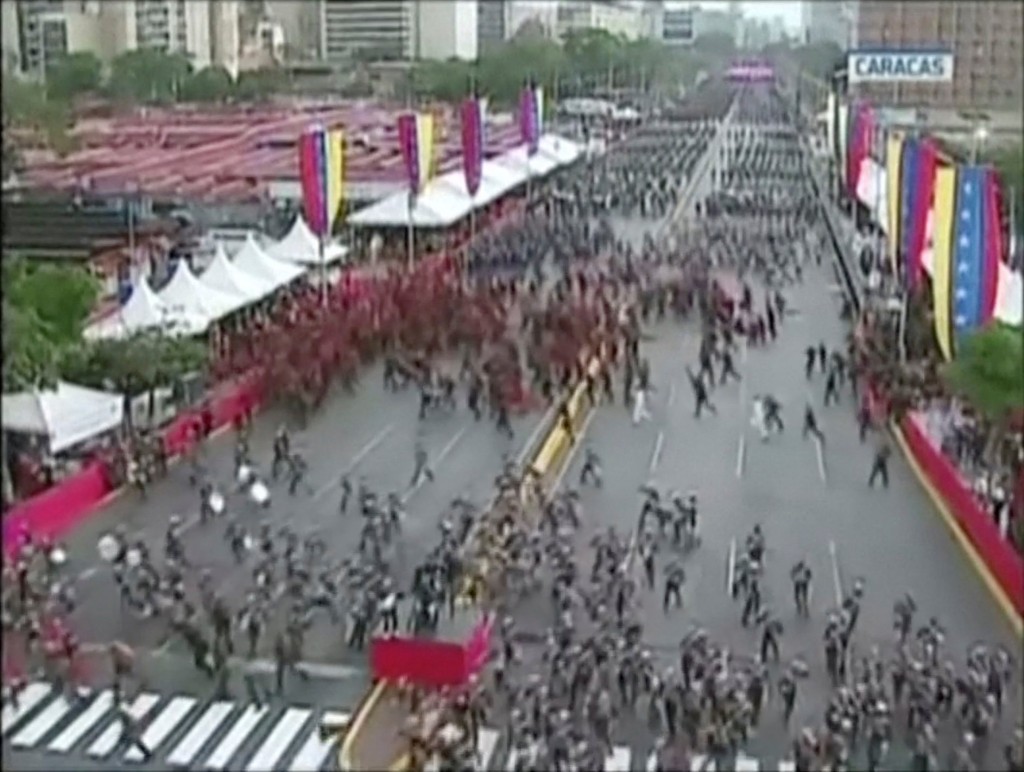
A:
(528, 120)
(416, 138)
(908, 178)
(842, 141)
(923, 185)
(969, 250)
(538, 111)
(894, 179)
(945, 209)
(322, 177)
(992, 232)
(472, 143)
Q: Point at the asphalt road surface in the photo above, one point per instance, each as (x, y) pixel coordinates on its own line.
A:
(370, 435)
(812, 501)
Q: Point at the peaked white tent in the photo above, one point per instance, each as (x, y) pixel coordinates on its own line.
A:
(145, 311)
(224, 276)
(184, 293)
(66, 415)
(254, 261)
(300, 245)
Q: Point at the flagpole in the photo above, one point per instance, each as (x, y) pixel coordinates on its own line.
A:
(412, 230)
(472, 196)
(323, 272)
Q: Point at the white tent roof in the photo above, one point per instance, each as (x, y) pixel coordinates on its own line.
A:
(225, 276)
(67, 415)
(184, 293)
(445, 201)
(145, 311)
(300, 245)
(253, 260)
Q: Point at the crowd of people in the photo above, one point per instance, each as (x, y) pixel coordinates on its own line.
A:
(912, 704)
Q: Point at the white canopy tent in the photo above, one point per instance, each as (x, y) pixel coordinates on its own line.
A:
(254, 261)
(300, 245)
(225, 276)
(552, 152)
(66, 415)
(441, 204)
(184, 293)
(145, 311)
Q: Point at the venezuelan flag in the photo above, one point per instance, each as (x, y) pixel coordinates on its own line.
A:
(944, 214)
(322, 176)
(894, 178)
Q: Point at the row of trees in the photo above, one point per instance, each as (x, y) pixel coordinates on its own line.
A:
(45, 309)
(135, 77)
(587, 61)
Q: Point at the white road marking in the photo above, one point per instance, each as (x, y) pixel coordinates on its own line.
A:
(656, 453)
(162, 726)
(821, 460)
(672, 394)
(741, 453)
(277, 742)
(364, 451)
(837, 580)
(730, 568)
(41, 725)
(31, 696)
(487, 741)
(197, 737)
(315, 750)
(240, 730)
(106, 742)
(619, 760)
(437, 462)
(80, 727)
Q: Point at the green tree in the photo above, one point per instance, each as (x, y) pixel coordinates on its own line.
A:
(60, 297)
(73, 75)
(259, 85)
(147, 76)
(136, 365)
(210, 84)
(30, 356)
(26, 105)
(989, 371)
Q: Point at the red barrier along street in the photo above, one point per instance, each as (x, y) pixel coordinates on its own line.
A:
(999, 555)
(431, 662)
(59, 510)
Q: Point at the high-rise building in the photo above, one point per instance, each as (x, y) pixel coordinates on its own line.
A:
(985, 38)
(493, 22)
(226, 34)
(831, 22)
(50, 29)
(618, 18)
(301, 24)
(677, 26)
(711, 21)
(398, 29)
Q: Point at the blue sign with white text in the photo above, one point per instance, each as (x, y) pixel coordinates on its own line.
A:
(894, 66)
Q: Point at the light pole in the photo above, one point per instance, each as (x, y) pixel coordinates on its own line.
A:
(978, 139)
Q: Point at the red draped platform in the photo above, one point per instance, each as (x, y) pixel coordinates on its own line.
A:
(449, 661)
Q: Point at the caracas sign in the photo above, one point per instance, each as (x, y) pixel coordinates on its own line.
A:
(892, 66)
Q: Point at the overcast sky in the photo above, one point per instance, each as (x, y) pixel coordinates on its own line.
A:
(787, 9)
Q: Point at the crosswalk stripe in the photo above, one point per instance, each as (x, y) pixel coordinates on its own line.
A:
(193, 742)
(29, 697)
(619, 760)
(42, 724)
(162, 726)
(702, 763)
(487, 741)
(277, 742)
(315, 750)
(747, 764)
(242, 728)
(106, 742)
(85, 721)
(787, 766)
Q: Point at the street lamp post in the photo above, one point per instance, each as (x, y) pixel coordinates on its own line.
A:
(978, 139)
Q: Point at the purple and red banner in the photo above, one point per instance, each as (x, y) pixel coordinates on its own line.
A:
(862, 127)
(472, 116)
(531, 115)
